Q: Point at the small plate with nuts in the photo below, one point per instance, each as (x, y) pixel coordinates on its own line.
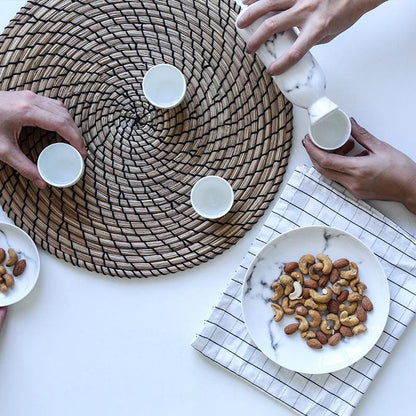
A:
(19, 264)
(315, 300)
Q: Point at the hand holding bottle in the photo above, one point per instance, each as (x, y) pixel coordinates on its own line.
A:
(319, 21)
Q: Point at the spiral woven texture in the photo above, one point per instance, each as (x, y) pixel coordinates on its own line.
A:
(130, 215)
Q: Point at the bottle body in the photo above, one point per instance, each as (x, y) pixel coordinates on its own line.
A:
(303, 83)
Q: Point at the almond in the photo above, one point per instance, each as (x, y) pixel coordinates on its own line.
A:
(334, 339)
(321, 337)
(2, 255)
(333, 306)
(340, 263)
(345, 331)
(311, 284)
(290, 267)
(306, 293)
(323, 281)
(314, 343)
(366, 303)
(334, 275)
(361, 313)
(342, 297)
(301, 310)
(19, 267)
(291, 328)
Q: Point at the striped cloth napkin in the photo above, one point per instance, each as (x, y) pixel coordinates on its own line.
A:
(310, 199)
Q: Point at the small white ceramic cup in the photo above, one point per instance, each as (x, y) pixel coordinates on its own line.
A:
(331, 131)
(212, 197)
(60, 165)
(164, 86)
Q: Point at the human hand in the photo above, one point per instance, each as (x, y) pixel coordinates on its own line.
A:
(3, 313)
(319, 21)
(19, 109)
(379, 172)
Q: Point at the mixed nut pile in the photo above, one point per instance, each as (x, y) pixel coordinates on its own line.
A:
(18, 267)
(327, 299)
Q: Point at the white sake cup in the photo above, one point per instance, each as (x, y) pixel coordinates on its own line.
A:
(212, 197)
(164, 86)
(331, 131)
(60, 165)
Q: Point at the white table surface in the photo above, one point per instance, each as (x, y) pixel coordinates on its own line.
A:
(86, 344)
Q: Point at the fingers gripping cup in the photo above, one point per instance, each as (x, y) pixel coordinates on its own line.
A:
(164, 86)
(60, 165)
(212, 197)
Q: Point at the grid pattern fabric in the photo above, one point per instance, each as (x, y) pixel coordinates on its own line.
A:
(309, 199)
(130, 215)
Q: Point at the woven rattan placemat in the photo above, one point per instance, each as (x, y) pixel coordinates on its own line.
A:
(130, 215)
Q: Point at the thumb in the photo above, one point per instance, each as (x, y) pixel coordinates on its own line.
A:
(19, 161)
(362, 136)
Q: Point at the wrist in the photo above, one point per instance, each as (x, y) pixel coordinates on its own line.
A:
(410, 197)
(367, 5)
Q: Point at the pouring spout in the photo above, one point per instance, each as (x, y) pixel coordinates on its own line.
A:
(321, 108)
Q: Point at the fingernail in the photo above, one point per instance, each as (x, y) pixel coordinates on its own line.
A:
(248, 50)
(353, 120)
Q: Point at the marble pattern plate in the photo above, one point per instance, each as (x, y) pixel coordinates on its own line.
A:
(13, 237)
(292, 351)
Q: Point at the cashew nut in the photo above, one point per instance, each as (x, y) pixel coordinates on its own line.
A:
(314, 269)
(297, 291)
(361, 287)
(354, 297)
(353, 284)
(348, 320)
(285, 306)
(308, 334)
(322, 307)
(326, 262)
(325, 328)
(351, 273)
(336, 288)
(8, 279)
(321, 298)
(310, 303)
(316, 318)
(335, 318)
(359, 329)
(303, 323)
(287, 282)
(298, 276)
(278, 291)
(278, 312)
(12, 257)
(349, 308)
(296, 302)
(304, 261)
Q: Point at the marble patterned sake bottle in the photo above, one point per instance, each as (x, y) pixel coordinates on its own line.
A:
(304, 85)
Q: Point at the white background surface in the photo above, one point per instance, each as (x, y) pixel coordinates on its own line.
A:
(86, 344)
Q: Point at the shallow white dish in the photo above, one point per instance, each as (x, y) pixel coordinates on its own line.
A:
(291, 351)
(13, 237)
